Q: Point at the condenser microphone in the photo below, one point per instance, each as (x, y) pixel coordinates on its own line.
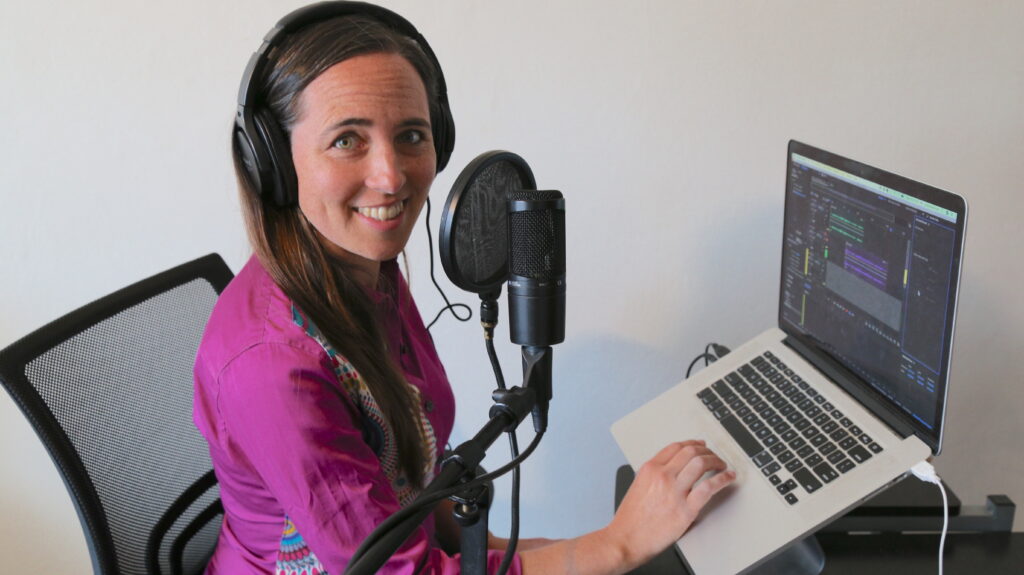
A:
(536, 281)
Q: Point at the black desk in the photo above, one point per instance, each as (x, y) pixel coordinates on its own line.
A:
(989, 553)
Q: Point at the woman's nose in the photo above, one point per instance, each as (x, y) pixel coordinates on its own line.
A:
(386, 174)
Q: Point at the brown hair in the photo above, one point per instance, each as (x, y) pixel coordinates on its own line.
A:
(290, 249)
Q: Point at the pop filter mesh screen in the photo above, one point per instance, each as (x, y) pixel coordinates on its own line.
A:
(478, 234)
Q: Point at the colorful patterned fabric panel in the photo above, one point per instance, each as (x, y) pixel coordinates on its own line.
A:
(294, 557)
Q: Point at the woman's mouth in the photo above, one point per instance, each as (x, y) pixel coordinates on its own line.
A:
(383, 213)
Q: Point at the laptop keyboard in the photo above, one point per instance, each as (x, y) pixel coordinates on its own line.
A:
(791, 432)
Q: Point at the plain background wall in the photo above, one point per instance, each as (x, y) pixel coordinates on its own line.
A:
(665, 125)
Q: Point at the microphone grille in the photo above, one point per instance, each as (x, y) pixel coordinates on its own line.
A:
(537, 242)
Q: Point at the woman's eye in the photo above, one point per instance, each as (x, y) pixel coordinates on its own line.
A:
(412, 137)
(346, 142)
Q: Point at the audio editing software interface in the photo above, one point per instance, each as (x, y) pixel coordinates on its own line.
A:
(867, 275)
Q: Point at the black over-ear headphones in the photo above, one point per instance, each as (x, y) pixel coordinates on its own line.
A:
(262, 142)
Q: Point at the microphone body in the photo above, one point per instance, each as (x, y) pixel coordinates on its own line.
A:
(536, 281)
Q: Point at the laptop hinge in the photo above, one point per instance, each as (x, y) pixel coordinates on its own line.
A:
(848, 381)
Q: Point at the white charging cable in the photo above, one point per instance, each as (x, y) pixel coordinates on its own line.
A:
(925, 472)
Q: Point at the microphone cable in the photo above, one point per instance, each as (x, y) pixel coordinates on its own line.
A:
(513, 442)
(712, 353)
(449, 306)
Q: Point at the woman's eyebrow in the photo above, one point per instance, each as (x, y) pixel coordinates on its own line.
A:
(418, 122)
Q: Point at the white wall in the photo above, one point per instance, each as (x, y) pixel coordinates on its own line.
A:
(665, 125)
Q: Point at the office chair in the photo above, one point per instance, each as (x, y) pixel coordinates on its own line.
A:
(108, 389)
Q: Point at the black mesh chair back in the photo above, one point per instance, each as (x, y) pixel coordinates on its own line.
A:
(108, 388)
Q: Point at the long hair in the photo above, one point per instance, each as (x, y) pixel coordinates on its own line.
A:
(288, 247)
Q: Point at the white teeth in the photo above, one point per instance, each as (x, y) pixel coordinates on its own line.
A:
(384, 213)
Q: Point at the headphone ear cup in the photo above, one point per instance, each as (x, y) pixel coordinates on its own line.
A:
(253, 156)
(444, 134)
(283, 188)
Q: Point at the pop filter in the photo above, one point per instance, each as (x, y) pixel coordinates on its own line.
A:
(474, 223)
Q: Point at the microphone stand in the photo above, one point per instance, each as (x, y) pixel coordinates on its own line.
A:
(510, 407)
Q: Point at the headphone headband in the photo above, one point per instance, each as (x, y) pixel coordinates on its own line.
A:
(265, 150)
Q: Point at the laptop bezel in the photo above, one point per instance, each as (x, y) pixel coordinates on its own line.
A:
(846, 378)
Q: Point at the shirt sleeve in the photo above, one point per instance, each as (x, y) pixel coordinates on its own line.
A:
(283, 408)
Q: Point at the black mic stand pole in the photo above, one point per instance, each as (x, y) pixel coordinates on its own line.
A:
(510, 408)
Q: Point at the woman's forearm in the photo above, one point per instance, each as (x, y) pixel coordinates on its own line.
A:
(595, 553)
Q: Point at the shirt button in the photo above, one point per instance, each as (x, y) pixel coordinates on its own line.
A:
(428, 405)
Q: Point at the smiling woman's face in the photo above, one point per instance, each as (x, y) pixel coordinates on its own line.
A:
(364, 157)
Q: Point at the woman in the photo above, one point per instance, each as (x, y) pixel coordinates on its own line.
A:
(317, 387)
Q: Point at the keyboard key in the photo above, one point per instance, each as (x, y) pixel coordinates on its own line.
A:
(804, 451)
(845, 422)
(791, 499)
(854, 430)
(875, 448)
(822, 419)
(837, 414)
(814, 459)
(786, 456)
(829, 427)
(797, 443)
(810, 392)
(827, 406)
(814, 411)
(733, 378)
(794, 465)
(787, 410)
(827, 447)
(864, 439)
(819, 399)
(723, 412)
(763, 432)
(786, 487)
(763, 458)
(807, 480)
(758, 424)
(747, 441)
(797, 378)
(770, 440)
(801, 424)
(720, 387)
(848, 443)
(837, 435)
(789, 435)
(845, 465)
(835, 456)
(810, 432)
(771, 469)
(819, 440)
(715, 404)
(777, 448)
(774, 480)
(825, 472)
(776, 419)
(859, 454)
(743, 412)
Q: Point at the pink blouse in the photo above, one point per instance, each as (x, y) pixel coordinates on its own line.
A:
(300, 476)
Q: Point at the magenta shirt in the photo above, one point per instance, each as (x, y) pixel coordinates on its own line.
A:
(286, 440)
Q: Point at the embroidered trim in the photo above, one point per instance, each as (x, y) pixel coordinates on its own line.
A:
(294, 556)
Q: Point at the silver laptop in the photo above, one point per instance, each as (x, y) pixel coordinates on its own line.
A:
(849, 391)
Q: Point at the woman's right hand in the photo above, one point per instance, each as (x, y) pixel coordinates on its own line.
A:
(665, 499)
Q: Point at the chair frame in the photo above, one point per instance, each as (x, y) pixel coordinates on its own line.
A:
(15, 357)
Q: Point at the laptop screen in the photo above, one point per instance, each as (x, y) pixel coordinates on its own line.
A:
(870, 268)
